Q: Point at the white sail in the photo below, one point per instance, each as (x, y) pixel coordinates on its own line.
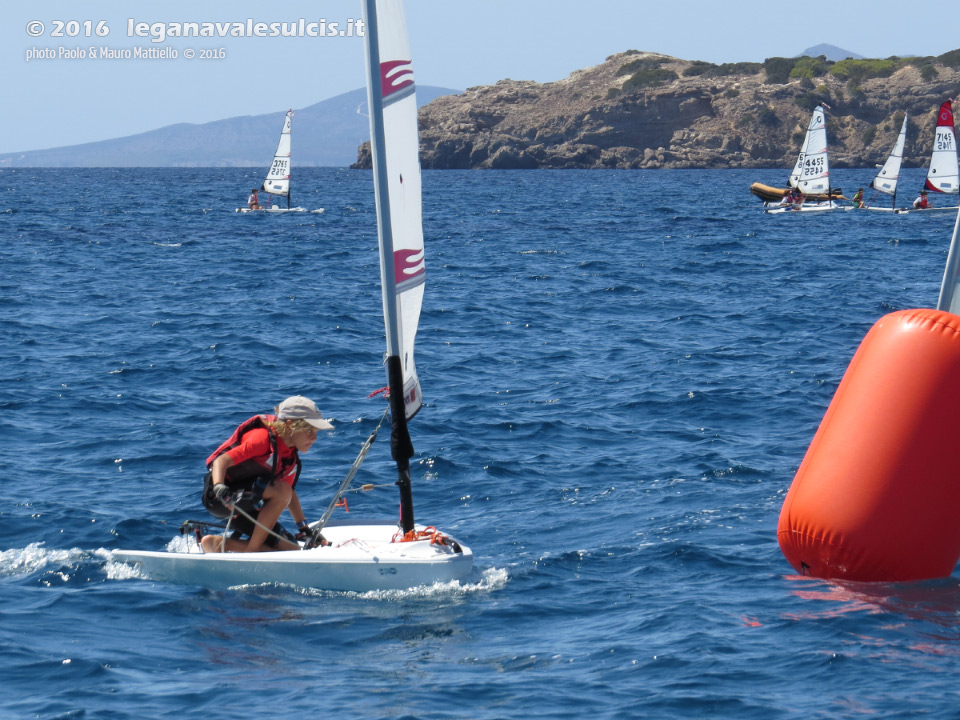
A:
(943, 174)
(395, 147)
(278, 177)
(811, 174)
(798, 167)
(886, 180)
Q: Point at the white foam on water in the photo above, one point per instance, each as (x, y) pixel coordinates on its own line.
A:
(491, 579)
(35, 557)
(122, 571)
(183, 544)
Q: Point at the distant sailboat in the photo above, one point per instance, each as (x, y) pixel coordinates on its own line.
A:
(943, 175)
(889, 176)
(811, 172)
(278, 177)
(277, 183)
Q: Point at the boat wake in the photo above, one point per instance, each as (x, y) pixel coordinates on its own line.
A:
(53, 566)
(490, 579)
(34, 558)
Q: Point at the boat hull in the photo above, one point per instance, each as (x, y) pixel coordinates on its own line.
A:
(806, 207)
(360, 558)
(273, 209)
(951, 208)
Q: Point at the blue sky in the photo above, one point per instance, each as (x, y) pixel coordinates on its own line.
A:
(56, 102)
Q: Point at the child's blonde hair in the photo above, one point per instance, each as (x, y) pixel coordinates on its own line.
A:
(286, 429)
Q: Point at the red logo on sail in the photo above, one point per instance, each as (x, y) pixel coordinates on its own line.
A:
(395, 75)
(407, 264)
(946, 114)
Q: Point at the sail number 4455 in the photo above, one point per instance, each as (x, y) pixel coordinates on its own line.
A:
(813, 167)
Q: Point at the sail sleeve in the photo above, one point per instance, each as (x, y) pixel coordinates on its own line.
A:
(943, 175)
(395, 148)
(949, 299)
(278, 177)
(813, 166)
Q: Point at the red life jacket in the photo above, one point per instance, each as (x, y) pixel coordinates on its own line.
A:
(246, 474)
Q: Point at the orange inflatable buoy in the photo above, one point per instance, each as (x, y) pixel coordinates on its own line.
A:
(877, 496)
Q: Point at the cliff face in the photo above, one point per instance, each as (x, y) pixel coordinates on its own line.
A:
(643, 110)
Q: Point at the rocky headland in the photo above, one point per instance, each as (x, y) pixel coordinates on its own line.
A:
(645, 110)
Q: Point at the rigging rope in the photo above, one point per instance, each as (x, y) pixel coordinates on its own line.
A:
(345, 484)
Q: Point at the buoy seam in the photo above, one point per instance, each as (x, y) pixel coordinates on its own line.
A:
(807, 534)
(921, 318)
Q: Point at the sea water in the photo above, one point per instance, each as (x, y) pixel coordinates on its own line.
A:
(621, 370)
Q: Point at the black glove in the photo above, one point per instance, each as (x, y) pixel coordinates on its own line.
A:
(222, 493)
(312, 536)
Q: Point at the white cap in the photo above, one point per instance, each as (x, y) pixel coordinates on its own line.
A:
(300, 408)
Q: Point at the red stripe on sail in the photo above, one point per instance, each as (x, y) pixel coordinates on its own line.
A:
(407, 264)
(393, 79)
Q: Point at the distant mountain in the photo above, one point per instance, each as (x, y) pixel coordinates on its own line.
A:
(831, 52)
(326, 134)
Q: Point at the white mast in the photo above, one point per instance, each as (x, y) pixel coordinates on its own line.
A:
(395, 149)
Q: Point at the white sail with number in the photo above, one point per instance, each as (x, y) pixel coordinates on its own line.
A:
(811, 174)
(943, 174)
(887, 179)
(395, 147)
(278, 177)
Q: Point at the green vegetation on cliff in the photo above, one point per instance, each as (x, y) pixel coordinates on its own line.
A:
(648, 110)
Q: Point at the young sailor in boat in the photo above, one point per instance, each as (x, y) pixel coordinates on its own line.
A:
(261, 460)
(858, 199)
(253, 202)
(790, 197)
(921, 203)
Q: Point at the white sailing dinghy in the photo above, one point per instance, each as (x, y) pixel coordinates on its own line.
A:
(943, 176)
(888, 178)
(363, 556)
(811, 173)
(277, 183)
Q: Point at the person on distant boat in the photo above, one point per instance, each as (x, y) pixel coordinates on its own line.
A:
(789, 198)
(261, 463)
(921, 203)
(798, 198)
(858, 199)
(253, 201)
